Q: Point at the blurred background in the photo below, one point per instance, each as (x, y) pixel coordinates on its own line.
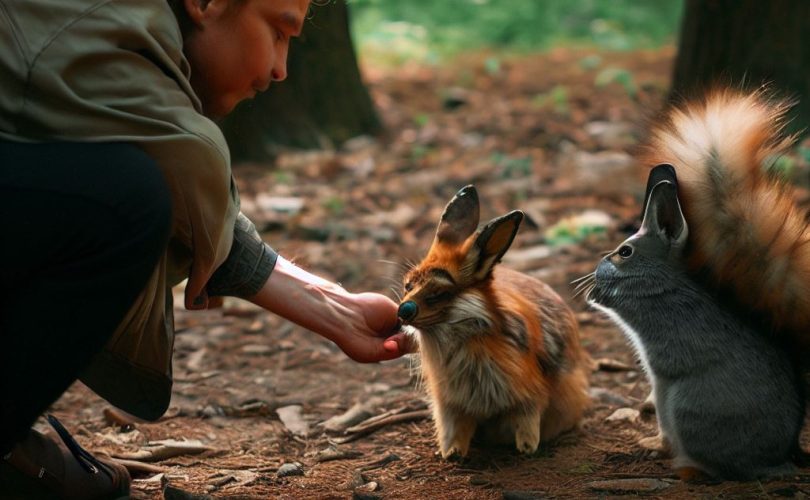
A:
(392, 105)
(325, 102)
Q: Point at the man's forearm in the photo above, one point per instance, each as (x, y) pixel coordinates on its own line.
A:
(307, 300)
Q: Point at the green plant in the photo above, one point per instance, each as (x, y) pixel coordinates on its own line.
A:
(428, 29)
(334, 205)
(617, 75)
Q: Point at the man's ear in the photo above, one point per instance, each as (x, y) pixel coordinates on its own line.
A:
(663, 215)
(202, 11)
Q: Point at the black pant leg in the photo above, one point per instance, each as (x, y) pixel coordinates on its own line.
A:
(82, 227)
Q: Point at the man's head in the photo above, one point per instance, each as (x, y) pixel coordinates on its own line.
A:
(238, 47)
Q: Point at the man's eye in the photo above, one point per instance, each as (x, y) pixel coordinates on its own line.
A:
(438, 298)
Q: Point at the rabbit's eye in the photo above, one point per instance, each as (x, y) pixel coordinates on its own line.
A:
(408, 286)
(437, 298)
(625, 251)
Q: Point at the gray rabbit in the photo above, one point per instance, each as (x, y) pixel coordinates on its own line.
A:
(728, 399)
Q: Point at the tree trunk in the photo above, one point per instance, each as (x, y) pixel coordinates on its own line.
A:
(322, 103)
(745, 43)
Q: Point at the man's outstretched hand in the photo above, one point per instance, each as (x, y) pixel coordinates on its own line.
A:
(363, 325)
(379, 337)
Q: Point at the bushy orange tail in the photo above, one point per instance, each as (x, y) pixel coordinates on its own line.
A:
(745, 229)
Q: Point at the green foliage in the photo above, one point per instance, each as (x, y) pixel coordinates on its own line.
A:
(590, 62)
(556, 98)
(283, 177)
(493, 66)
(584, 468)
(334, 205)
(512, 166)
(419, 151)
(617, 75)
(421, 119)
(425, 29)
(577, 228)
(804, 153)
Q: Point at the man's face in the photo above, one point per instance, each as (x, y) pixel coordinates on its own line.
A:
(238, 47)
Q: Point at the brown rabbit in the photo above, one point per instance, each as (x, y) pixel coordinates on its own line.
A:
(498, 347)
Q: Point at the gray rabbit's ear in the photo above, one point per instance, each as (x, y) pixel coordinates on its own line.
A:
(663, 215)
(660, 172)
(460, 217)
(491, 243)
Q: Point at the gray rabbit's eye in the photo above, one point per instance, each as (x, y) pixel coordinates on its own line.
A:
(625, 251)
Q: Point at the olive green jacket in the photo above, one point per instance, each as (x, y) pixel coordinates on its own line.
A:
(114, 70)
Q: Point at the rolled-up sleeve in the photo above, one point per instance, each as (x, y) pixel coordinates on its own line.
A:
(248, 265)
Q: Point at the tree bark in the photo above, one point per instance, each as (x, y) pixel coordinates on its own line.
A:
(322, 103)
(745, 43)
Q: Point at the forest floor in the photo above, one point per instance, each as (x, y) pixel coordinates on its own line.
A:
(550, 134)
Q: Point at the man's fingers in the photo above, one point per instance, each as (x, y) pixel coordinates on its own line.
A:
(401, 343)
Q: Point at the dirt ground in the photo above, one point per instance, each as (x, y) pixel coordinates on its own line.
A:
(549, 134)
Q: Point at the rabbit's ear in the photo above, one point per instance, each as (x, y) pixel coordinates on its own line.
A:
(492, 242)
(663, 215)
(660, 172)
(460, 217)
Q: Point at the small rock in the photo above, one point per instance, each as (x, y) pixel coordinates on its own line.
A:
(624, 415)
(527, 258)
(611, 135)
(257, 349)
(368, 487)
(378, 388)
(279, 204)
(454, 98)
(290, 469)
(605, 171)
(470, 140)
(608, 397)
(293, 420)
(613, 365)
(332, 453)
(358, 143)
(212, 411)
(629, 486)
(479, 481)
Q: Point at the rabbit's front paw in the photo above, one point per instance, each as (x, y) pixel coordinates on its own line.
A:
(455, 435)
(527, 432)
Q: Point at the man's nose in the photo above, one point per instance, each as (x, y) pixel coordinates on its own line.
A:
(279, 72)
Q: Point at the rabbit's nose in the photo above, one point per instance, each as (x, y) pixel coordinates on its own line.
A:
(407, 310)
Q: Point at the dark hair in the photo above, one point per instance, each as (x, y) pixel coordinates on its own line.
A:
(181, 14)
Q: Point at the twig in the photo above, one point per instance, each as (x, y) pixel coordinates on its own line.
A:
(381, 421)
(135, 466)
